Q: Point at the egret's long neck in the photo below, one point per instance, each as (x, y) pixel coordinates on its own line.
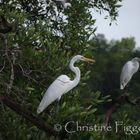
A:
(76, 70)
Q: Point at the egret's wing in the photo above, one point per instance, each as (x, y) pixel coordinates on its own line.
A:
(135, 67)
(126, 74)
(55, 91)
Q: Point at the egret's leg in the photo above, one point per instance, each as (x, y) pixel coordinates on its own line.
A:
(126, 88)
(57, 105)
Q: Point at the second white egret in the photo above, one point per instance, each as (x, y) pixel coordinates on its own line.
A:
(62, 84)
(130, 68)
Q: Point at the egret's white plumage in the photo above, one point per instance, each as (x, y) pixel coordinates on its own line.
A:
(130, 68)
(64, 3)
(62, 84)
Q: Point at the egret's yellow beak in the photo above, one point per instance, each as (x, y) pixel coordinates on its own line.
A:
(88, 60)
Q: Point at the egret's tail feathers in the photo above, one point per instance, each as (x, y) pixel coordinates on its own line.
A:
(121, 87)
(39, 109)
(43, 104)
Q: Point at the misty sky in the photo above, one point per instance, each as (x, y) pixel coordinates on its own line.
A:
(128, 22)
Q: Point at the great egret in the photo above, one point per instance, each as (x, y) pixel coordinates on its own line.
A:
(62, 84)
(130, 68)
(64, 3)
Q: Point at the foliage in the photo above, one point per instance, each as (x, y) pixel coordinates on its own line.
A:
(44, 38)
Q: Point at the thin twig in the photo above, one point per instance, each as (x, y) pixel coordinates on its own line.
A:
(2, 67)
(12, 74)
(12, 63)
(29, 77)
(135, 101)
(10, 50)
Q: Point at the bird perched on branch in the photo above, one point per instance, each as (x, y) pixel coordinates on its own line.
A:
(128, 70)
(62, 84)
(5, 26)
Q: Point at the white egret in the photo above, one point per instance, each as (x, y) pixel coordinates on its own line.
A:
(64, 3)
(62, 84)
(130, 68)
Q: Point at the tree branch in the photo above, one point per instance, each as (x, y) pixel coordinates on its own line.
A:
(108, 115)
(120, 100)
(28, 115)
